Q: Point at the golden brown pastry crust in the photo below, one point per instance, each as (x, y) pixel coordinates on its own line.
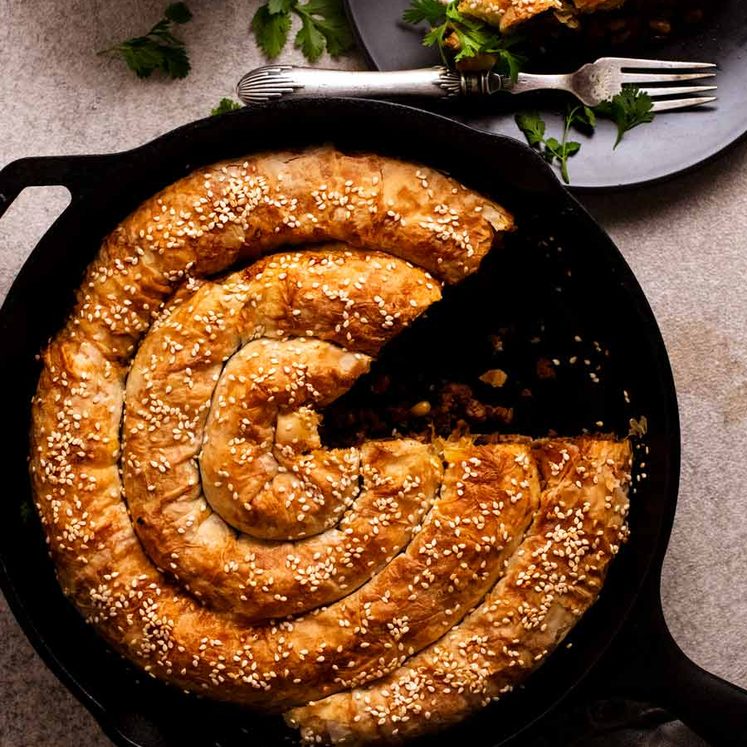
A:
(506, 14)
(390, 214)
(552, 578)
(180, 404)
(239, 405)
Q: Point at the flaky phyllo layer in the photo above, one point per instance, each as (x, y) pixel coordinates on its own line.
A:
(196, 520)
(507, 14)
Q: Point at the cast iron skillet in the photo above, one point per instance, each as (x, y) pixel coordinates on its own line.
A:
(557, 288)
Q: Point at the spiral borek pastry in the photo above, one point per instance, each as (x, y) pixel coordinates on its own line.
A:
(199, 523)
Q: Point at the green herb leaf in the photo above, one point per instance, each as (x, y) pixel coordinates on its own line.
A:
(432, 12)
(271, 30)
(435, 37)
(329, 18)
(475, 37)
(310, 40)
(582, 117)
(225, 105)
(569, 149)
(474, 41)
(630, 108)
(159, 50)
(323, 26)
(280, 6)
(552, 149)
(510, 64)
(533, 127)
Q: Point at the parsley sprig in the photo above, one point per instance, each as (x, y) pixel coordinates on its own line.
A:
(323, 26)
(628, 109)
(225, 105)
(159, 49)
(552, 149)
(461, 37)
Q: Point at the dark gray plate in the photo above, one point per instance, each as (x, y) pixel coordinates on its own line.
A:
(673, 143)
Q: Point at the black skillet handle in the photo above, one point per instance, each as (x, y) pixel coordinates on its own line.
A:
(651, 666)
(713, 708)
(77, 173)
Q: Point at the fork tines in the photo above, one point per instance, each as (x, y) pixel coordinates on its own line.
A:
(664, 86)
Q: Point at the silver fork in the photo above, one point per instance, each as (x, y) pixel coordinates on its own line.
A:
(591, 84)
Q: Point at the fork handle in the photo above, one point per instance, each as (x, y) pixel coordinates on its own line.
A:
(526, 82)
(276, 81)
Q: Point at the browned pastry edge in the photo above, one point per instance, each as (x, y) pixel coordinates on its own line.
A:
(551, 580)
(507, 14)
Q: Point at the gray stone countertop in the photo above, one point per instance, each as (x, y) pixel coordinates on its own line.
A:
(686, 241)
